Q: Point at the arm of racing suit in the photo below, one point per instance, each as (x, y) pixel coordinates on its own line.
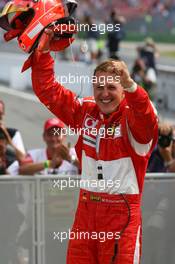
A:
(141, 116)
(58, 100)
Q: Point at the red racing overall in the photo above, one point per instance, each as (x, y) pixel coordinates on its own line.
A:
(118, 160)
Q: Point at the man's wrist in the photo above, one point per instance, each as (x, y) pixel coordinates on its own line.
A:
(45, 51)
(47, 164)
(168, 163)
(131, 87)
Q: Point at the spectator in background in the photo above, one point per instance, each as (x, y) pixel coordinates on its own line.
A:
(115, 36)
(149, 52)
(8, 156)
(163, 157)
(54, 159)
(91, 37)
(162, 7)
(144, 77)
(171, 165)
(14, 133)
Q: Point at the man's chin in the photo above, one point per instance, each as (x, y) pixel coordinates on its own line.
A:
(108, 110)
(55, 147)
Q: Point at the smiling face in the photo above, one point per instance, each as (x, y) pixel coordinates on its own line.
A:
(107, 93)
(53, 140)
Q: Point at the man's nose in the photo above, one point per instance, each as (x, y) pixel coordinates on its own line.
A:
(105, 92)
(56, 138)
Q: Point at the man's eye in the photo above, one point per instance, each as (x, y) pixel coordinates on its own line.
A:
(111, 87)
(100, 87)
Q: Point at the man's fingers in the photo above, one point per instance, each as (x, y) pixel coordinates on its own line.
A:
(49, 32)
(44, 42)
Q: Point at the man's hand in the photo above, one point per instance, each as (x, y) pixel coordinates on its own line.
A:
(56, 160)
(19, 155)
(166, 153)
(44, 42)
(4, 129)
(121, 70)
(64, 153)
(47, 42)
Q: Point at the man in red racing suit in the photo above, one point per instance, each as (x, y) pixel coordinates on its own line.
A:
(119, 132)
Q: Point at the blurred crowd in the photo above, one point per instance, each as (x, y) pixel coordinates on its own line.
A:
(58, 158)
(163, 7)
(145, 17)
(55, 158)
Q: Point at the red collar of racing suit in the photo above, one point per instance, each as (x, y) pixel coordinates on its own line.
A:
(113, 118)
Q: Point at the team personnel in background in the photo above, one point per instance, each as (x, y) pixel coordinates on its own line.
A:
(149, 53)
(163, 157)
(13, 132)
(55, 158)
(115, 36)
(120, 154)
(144, 77)
(9, 153)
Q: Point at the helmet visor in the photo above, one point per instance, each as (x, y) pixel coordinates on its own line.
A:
(9, 10)
(10, 7)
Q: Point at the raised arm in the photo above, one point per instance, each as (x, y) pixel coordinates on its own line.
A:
(140, 114)
(53, 95)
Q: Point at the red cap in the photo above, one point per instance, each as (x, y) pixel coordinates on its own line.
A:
(53, 122)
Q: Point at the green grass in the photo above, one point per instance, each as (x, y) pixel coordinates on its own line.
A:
(168, 54)
(158, 37)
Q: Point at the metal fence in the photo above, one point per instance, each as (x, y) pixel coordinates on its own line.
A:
(35, 210)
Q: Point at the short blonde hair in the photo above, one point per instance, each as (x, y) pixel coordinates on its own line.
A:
(108, 66)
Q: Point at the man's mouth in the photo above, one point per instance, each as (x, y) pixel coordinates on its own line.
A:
(106, 101)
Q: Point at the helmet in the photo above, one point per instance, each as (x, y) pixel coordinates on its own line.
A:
(27, 19)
